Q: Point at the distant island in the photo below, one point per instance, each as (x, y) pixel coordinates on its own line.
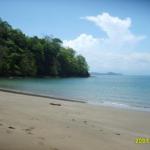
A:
(108, 73)
(21, 55)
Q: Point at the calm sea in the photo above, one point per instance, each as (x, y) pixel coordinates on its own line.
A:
(120, 91)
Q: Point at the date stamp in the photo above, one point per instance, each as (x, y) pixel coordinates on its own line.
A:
(142, 140)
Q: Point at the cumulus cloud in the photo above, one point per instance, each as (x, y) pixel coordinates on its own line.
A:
(117, 30)
(83, 43)
(116, 51)
(83, 40)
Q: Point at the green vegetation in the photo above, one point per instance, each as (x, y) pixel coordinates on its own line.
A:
(21, 55)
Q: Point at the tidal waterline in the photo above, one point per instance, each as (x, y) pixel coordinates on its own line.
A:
(113, 90)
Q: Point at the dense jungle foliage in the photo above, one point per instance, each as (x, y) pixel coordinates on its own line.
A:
(21, 55)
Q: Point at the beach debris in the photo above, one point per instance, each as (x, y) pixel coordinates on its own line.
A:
(117, 133)
(10, 127)
(55, 104)
(1, 124)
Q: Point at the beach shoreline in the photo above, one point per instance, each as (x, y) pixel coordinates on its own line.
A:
(38, 95)
(107, 104)
(40, 123)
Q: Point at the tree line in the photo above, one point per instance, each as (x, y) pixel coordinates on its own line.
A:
(21, 55)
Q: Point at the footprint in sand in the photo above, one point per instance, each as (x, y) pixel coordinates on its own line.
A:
(28, 130)
(1, 124)
(85, 122)
(8, 131)
(117, 133)
(73, 120)
(41, 143)
(34, 118)
(41, 138)
(54, 149)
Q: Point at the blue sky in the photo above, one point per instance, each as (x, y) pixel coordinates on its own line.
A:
(113, 35)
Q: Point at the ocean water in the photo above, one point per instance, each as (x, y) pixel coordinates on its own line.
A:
(119, 91)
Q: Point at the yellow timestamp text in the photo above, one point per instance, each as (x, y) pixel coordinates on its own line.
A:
(142, 140)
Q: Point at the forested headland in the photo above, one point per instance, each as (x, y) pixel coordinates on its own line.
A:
(21, 55)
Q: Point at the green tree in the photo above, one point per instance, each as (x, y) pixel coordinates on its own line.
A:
(21, 55)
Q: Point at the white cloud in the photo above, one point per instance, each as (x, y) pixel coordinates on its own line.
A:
(131, 62)
(117, 51)
(82, 41)
(117, 30)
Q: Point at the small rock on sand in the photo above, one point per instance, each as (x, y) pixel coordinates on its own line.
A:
(10, 127)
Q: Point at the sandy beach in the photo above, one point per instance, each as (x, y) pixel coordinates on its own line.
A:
(36, 123)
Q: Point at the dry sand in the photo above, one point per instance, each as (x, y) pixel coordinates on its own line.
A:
(32, 123)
